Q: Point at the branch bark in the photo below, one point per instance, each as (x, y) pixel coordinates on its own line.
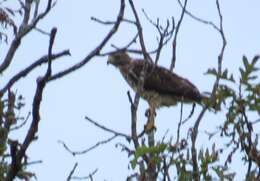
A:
(24, 29)
(19, 154)
(196, 173)
(97, 50)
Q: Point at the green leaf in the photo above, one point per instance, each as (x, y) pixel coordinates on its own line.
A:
(245, 61)
(255, 59)
(224, 74)
(141, 151)
(212, 71)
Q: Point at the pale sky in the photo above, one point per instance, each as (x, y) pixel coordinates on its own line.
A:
(99, 91)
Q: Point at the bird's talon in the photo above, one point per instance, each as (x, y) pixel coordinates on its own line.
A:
(149, 112)
(149, 127)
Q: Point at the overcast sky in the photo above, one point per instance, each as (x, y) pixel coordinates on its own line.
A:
(99, 91)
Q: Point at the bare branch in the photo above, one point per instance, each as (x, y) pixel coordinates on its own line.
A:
(27, 70)
(90, 176)
(199, 19)
(72, 171)
(140, 32)
(110, 22)
(23, 30)
(174, 43)
(22, 124)
(16, 164)
(189, 116)
(179, 124)
(97, 50)
(164, 33)
(108, 129)
(151, 170)
(42, 31)
(88, 149)
(194, 133)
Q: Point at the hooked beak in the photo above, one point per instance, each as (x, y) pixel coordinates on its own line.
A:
(110, 60)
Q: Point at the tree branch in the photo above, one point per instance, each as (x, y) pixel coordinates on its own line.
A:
(108, 129)
(16, 164)
(90, 148)
(72, 171)
(27, 70)
(97, 50)
(174, 43)
(196, 174)
(23, 30)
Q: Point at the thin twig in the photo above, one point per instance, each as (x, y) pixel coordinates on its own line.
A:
(140, 33)
(72, 171)
(97, 50)
(191, 113)
(22, 124)
(174, 43)
(116, 133)
(110, 22)
(179, 124)
(196, 174)
(24, 29)
(90, 176)
(199, 19)
(164, 33)
(88, 149)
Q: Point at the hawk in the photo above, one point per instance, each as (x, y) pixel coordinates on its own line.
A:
(161, 87)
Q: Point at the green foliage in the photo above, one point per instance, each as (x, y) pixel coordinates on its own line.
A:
(10, 121)
(242, 105)
(141, 151)
(224, 75)
(238, 100)
(247, 71)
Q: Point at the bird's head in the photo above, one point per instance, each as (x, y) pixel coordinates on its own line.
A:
(118, 59)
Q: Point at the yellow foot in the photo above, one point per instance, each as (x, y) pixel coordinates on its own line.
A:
(149, 127)
(149, 112)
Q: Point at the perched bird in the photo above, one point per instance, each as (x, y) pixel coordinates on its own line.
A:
(161, 87)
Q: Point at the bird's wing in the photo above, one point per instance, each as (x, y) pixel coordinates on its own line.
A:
(163, 81)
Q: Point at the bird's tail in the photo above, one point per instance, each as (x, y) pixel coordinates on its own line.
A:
(207, 101)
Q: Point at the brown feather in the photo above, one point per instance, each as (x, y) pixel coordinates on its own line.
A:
(161, 86)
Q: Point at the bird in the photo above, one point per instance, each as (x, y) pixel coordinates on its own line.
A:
(161, 87)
